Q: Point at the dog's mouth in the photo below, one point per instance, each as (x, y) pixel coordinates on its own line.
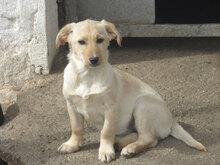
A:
(93, 65)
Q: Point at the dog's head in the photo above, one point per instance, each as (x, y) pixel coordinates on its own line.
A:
(89, 40)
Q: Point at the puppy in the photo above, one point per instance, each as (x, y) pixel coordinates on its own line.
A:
(126, 110)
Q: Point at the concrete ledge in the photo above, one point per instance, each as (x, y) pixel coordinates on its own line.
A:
(170, 30)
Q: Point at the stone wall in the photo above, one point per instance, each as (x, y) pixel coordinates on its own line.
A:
(27, 39)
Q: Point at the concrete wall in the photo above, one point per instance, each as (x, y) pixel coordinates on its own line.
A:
(117, 11)
(135, 18)
(27, 39)
(143, 11)
(51, 29)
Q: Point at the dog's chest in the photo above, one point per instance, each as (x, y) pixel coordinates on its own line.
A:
(92, 108)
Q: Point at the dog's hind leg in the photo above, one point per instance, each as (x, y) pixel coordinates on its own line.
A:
(143, 142)
(122, 141)
(146, 137)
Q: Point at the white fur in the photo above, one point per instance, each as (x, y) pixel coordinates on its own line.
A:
(95, 87)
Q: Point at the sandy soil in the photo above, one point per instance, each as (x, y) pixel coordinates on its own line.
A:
(185, 71)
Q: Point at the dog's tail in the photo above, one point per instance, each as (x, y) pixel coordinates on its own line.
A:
(179, 133)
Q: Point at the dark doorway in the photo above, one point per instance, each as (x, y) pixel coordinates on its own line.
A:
(187, 11)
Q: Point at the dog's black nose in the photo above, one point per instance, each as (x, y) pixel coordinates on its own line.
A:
(94, 60)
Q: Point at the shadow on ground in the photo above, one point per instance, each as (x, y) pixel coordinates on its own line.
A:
(11, 113)
(146, 49)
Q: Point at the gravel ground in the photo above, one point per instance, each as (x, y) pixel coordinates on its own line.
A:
(185, 71)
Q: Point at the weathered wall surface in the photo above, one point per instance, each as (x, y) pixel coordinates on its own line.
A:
(27, 42)
(25, 46)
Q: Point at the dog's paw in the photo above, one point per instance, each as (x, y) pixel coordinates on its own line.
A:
(128, 151)
(67, 148)
(106, 156)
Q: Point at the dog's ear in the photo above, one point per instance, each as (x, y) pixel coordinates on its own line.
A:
(62, 36)
(112, 31)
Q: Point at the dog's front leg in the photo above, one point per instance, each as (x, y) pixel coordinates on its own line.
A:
(106, 150)
(77, 122)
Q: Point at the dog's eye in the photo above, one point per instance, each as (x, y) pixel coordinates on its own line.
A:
(99, 40)
(81, 42)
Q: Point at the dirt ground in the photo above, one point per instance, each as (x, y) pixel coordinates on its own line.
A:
(185, 71)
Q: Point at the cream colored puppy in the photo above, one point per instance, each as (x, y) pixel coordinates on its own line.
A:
(127, 111)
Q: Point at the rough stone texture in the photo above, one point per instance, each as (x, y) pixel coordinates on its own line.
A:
(15, 63)
(184, 71)
(24, 45)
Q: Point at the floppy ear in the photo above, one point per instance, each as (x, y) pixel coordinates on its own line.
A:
(112, 31)
(62, 36)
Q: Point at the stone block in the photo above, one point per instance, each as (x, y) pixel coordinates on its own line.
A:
(27, 42)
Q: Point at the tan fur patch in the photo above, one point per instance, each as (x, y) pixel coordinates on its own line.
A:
(91, 50)
(62, 36)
